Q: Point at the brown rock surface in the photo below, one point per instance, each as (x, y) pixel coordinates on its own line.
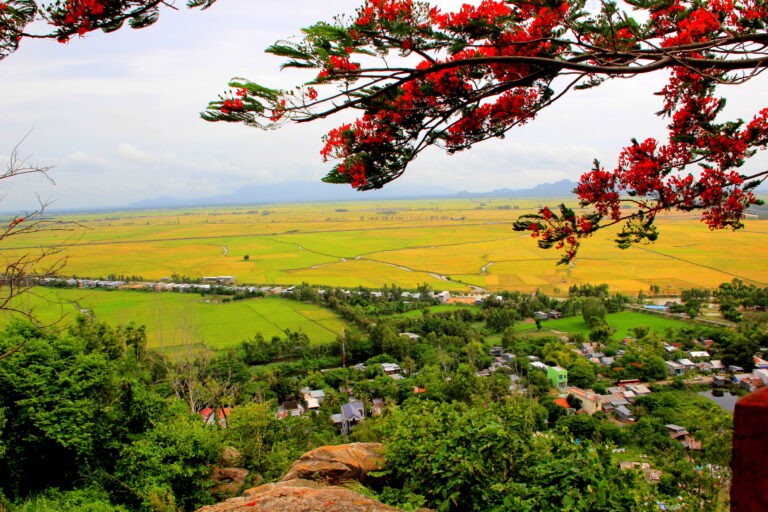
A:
(284, 497)
(230, 458)
(228, 480)
(337, 464)
(305, 488)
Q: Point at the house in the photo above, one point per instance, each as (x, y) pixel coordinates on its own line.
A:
(674, 369)
(676, 431)
(718, 381)
(220, 416)
(679, 433)
(590, 350)
(563, 402)
(540, 315)
(555, 314)
(539, 365)
(290, 408)
(390, 368)
(761, 374)
(590, 401)
(698, 354)
(496, 351)
(687, 364)
(443, 296)
(760, 362)
(612, 401)
(751, 383)
(623, 414)
(352, 413)
(313, 398)
(639, 389)
(717, 366)
(558, 377)
(411, 336)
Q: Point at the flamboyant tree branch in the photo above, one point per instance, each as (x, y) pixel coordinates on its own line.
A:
(453, 79)
(75, 18)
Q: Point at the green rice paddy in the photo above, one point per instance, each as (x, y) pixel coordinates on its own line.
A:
(175, 321)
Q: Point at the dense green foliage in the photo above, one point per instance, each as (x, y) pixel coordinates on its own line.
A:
(94, 414)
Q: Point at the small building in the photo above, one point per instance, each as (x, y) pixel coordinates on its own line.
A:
(674, 369)
(558, 376)
(410, 335)
(539, 365)
(290, 408)
(623, 414)
(639, 389)
(751, 383)
(443, 296)
(563, 402)
(211, 417)
(496, 351)
(390, 368)
(687, 364)
(540, 315)
(698, 354)
(220, 279)
(590, 401)
(761, 374)
(676, 431)
(352, 413)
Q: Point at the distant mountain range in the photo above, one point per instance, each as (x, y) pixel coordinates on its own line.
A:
(312, 191)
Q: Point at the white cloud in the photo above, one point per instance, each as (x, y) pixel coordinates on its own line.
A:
(133, 154)
(83, 158)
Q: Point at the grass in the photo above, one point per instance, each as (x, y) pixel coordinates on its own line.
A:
(622, 322)
(178, 321)
(442, 308)
(374, 243)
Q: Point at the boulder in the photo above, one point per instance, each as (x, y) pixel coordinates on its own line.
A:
(313, 483)
(338, 464)
(228, 480)
(284, 497)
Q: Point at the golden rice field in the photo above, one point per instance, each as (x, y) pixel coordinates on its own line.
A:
(449, 244)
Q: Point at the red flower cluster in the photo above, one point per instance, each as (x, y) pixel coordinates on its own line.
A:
(278, 112)
(489, 12)
(80, 15)
(355, 172)
(15, 221)
(384, 10)
(229, 106)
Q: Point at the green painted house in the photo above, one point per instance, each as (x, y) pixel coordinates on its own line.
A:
(558, 377)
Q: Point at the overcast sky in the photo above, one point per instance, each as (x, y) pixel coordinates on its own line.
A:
(117, 115)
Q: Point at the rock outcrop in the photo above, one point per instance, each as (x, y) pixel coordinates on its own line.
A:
(315, 483)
